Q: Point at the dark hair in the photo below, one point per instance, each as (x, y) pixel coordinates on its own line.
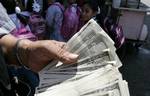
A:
(60, 1)
(9, 5)
(92, 4)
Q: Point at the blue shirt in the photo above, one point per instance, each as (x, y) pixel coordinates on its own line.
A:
(54, 18)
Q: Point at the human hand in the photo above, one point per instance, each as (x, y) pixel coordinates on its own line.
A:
(40, 53)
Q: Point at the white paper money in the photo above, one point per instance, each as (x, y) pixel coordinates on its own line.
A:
(96, 72)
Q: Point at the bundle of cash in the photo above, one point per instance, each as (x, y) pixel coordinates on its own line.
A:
(96, 72)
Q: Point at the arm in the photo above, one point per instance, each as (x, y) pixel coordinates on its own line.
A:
(38, 54)
(8, 43)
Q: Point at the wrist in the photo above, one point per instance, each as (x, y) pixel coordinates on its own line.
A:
(24, 44)
(21, 52)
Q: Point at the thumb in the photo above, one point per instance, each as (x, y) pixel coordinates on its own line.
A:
(68, 58)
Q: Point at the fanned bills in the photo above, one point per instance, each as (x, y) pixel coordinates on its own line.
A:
(96, 72)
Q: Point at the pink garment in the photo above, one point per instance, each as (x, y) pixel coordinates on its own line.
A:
(115, 31)
(70, 22)
(23, 33)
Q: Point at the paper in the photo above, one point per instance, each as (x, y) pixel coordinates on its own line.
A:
(96, 72)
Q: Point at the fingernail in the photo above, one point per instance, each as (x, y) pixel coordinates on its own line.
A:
(73, 56)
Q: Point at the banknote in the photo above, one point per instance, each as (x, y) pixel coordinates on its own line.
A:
(94, 74)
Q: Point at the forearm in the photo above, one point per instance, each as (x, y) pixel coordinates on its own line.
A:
(8, 43)
(35, 55)
(27, 51)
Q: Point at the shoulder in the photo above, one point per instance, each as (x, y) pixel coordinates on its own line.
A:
(54, 8)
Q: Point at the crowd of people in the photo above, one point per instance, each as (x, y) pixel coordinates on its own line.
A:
(59, 21)
(33, 33)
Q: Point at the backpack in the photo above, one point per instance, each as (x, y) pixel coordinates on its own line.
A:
(70, 22)
(115, 31)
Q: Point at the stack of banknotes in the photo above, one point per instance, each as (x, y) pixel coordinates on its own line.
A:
(96, 72)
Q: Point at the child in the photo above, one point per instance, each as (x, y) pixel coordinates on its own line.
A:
(54, 18)
(90, 9)
(71, 20)
(37, 25)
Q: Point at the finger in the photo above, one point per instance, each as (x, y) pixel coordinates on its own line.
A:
(62, 44)
(59, 44)
(68, 58)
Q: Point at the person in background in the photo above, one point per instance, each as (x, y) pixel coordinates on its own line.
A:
(54, 18)
(33, 55)
(80, 2)
(25, 5)
(71, 20)
(23, 31)
(37, 25)
(89, 10)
